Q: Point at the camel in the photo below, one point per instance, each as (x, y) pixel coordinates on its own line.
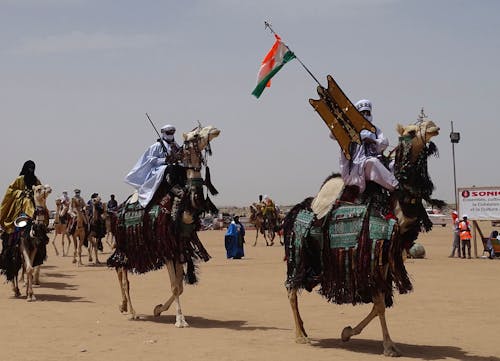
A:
(97, 227)
(161, 237)
(111, 220)
(61, 223)
(367, 269)
(79, 234)
(267, 229)
(34, 240)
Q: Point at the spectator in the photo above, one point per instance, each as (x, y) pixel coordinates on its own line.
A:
(465, 235)
(456, 235)
(234, 239)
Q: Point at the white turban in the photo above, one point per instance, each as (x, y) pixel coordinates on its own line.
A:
(363, 104)
(168, 128)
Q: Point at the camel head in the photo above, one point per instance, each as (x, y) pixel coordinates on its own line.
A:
(96, 200)
(420, 134)
(40, 194)
(195, 142)
(204, 135)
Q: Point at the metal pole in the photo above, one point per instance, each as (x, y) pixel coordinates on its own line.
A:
(454, 170)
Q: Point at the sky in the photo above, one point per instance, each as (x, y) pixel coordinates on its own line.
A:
(78, 76)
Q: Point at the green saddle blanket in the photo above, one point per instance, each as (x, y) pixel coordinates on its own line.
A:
(346, 223)
(133, 214)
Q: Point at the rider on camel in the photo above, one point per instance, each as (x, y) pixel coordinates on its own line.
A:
(365, 164)
(157, 164)
(268, 210)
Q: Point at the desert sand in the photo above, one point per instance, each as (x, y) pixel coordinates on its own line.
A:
(240, 311)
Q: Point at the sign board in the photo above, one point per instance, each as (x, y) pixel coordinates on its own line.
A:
(479, 203)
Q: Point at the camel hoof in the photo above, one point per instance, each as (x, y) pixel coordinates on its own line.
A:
(133, 317)
(391, 350)
(74, 261)
(346, 333)
(181, 322)
(123, 307)
(157, 311)
(302, 340)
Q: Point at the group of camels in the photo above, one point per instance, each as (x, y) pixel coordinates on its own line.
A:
(77, 225)
(155, 239)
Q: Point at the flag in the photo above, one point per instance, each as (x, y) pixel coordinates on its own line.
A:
(278, 56)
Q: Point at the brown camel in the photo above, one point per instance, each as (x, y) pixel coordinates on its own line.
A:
(33, 244)
(61, 226)
(175, 243)
(366, 270)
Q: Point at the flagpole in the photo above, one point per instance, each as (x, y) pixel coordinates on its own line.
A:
(268, 26)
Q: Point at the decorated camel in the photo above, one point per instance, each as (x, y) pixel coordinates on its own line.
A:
(97, 228)
(160, 236)
(266, 227)
(111, 222)
(79, 232)
(61, 226)
(352, 245)
(33, 240)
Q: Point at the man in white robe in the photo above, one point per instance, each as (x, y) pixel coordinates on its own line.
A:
(365, 164)
(149, 171)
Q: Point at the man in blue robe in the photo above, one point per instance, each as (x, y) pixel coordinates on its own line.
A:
(234, 239)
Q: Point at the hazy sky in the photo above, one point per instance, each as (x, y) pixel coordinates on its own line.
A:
(77, 77)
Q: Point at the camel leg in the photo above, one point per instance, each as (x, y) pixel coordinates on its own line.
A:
(125, 288)
(69, 243)
(80, 245)
(390, 348)
(64, 252)
(54, 244)
(36, 276)
(89, 248)
(75, 249)
(15, 287)
(96, 251)
(176, 274)
(256, 235)
(378, 309)
(300, 332)
(28, 261)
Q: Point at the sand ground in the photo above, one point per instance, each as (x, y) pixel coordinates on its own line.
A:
(240, 311)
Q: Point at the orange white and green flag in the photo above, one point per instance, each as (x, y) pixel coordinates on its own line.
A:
(278, 56)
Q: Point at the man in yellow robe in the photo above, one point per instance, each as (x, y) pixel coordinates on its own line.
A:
(18, 198)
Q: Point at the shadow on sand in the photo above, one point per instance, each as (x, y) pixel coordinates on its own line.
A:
(59, 298)
(421, 352)
(201, 322)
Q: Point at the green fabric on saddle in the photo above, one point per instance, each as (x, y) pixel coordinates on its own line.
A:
(345, 227)
(302, 226)
(381, 228)
(346, 223)
(134, 213)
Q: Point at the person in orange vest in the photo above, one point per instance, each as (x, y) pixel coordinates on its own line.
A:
(465, 235)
